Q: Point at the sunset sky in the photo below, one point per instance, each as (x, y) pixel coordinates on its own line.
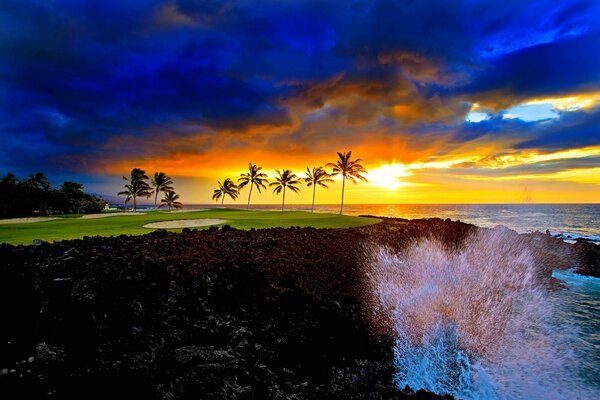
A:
(445, 101)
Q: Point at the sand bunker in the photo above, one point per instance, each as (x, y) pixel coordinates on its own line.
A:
(26, 220)
(185, 223)
(104, 215)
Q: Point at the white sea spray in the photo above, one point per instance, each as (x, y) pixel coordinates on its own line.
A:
(474, 322)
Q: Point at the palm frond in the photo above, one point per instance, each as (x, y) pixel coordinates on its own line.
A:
(285, 179)
(253, 177)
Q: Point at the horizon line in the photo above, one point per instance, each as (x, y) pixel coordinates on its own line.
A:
(366, 204)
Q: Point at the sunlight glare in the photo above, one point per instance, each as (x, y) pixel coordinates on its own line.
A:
(389, 176)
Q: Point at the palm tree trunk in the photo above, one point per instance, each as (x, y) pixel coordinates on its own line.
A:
(134, 203)
(343, 187)
(249, 194)
(222, 201)
(155, 197)
(313, 204)
(283, 201)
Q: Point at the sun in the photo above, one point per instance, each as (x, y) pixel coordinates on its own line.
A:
(389, 176)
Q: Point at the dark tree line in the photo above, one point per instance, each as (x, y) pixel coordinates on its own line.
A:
(34, 195)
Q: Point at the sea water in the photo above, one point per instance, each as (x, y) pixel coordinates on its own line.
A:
(477, 323)
(581, 309)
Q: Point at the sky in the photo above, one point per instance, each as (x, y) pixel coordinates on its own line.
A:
(444, 101)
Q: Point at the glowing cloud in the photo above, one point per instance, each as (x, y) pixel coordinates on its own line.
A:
(199, 89)
(549, 108)
(569, 103)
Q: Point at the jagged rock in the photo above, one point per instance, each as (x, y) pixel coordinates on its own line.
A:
(217, 314)
(203, 355)
(45, 353)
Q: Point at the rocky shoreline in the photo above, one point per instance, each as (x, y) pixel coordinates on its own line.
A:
(214, 314)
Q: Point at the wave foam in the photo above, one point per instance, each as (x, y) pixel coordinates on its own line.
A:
(474, 322)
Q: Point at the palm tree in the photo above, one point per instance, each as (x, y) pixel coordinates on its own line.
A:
(38, 181)
(9, 179)
(74, 195)
(171, 200)
(318, 176)
(161, 182)
(227, 188)
(285, 179)
(136, 187)
(350, 169)
(254, 178)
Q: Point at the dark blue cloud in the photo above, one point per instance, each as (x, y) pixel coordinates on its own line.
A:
(566, 65)
(573, 129)
(74, 75)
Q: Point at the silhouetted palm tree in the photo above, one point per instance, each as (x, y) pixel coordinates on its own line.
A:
(253, 178)
(39, 181)
(136, 187)
(318, 176)
(161, 182)
(74, 195)
(9, 179)
(350, 169)
(285, 179)
(227, 188)
(171, 200)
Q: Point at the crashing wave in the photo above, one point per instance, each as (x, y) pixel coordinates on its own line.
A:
(473, 322)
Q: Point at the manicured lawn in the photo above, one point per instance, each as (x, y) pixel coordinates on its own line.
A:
(73, 228)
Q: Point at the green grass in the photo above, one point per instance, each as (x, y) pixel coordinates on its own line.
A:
(72, 227)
